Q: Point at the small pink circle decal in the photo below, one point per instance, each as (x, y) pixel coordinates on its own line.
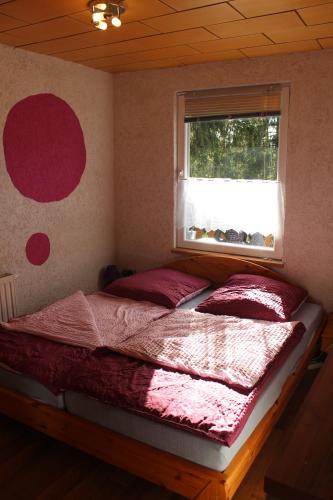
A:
(44, 148)
(38, 249)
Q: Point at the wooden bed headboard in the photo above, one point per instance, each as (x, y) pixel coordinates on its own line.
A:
(218, 269)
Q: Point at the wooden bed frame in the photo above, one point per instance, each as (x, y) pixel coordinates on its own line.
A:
(174, 473)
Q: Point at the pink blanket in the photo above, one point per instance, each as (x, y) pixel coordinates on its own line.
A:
(225, 348)
(92, 321)
(233, 350)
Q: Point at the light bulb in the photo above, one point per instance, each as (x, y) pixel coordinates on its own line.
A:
(102, 25)
(116, 21)
(97, 17)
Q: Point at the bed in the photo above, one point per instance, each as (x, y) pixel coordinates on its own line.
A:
(187, 464)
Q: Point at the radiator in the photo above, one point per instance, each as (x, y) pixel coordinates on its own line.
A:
(7, 297)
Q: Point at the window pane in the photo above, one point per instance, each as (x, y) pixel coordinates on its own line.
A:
(242, 205)
(237, 148)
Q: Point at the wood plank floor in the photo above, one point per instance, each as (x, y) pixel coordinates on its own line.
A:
(35, 467)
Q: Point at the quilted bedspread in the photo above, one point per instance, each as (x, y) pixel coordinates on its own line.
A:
(233, 350)
(92, 321)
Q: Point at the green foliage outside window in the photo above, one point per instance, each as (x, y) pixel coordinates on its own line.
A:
(240, 148)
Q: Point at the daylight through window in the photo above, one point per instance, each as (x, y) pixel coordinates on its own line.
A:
(231, 163)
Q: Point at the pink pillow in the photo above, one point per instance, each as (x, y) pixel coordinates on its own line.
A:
(165, 287)
(256, 297)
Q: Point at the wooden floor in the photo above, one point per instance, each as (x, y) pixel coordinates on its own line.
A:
(33, 466)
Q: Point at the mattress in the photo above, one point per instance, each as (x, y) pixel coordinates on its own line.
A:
(29, 387)
(182, 443)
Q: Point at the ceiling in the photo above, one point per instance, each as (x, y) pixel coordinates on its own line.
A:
(165, 33)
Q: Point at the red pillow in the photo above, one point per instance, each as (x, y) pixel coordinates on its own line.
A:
(165, 287)
(256, 297)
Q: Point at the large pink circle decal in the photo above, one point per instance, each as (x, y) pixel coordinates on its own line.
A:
(44, 148)
(38, 249)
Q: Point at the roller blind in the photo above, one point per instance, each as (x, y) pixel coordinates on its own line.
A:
(206, 105)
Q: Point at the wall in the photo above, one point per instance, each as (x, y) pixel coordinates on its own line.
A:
(144, 160)
(80, 226)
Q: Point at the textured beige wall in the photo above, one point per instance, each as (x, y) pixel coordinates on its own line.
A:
(80, 227)
(144, 160)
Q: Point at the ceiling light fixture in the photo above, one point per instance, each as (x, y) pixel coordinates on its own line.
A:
(104, 14)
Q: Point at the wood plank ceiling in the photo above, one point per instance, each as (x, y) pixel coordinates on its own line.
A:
(166, 33)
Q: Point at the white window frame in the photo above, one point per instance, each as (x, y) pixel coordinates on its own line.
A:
(182, 174)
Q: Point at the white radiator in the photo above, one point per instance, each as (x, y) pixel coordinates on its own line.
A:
(7, 297)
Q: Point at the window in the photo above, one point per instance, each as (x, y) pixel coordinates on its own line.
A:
(231, 165)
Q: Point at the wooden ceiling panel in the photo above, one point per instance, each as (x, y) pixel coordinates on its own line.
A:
(237, 42)
(105, 63)
(140, 44)
(142, 10)
(303, 33)
(93, 38)
(216, 56)
(138, 66)
(164, 53)
(48, 30)
(254, 8)
(9, 40)
(85, 17)
(326, 43)
(282, 48)
(164, 33)
(178, 61)
(8, 23)
(127, 65)
(189, 4)
(135, 11)
(317, 15)
(275, 22)
(147, 55)
(34, 11)
(194, 18)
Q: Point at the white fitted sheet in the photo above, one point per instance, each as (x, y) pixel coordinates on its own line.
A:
(183, 443)
(192, 304)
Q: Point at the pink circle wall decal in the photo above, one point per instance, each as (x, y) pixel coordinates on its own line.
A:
(44, 148)
(38, 249)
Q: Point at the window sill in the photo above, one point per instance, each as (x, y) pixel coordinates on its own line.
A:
(257, 260)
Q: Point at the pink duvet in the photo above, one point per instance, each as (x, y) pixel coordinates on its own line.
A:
(91, 321)
(233, 350)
